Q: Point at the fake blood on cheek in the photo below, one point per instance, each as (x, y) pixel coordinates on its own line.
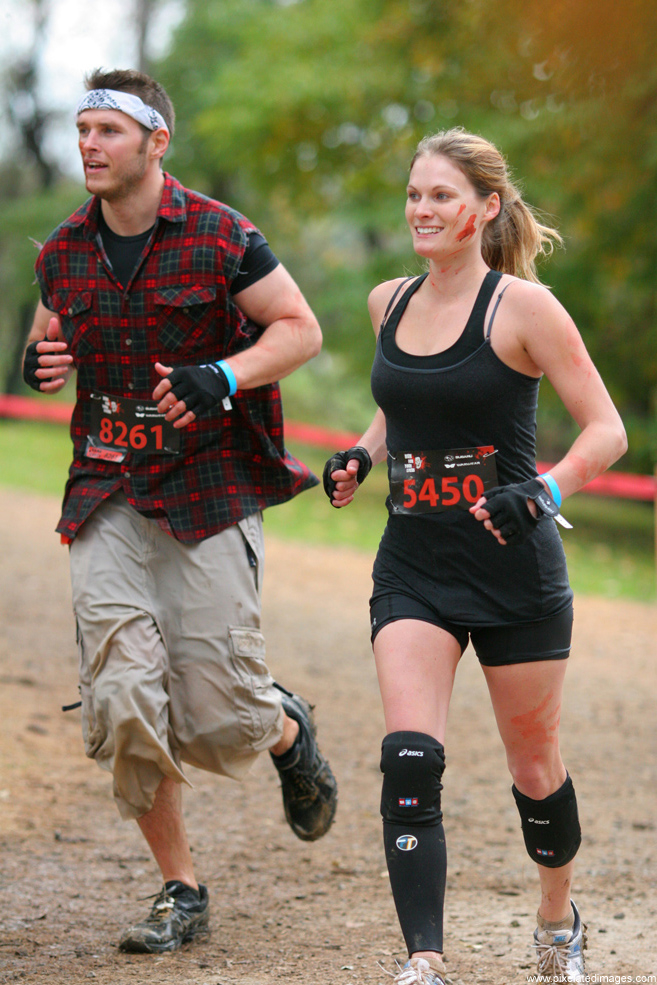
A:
(468, 230)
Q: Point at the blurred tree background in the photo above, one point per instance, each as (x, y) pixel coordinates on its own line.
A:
(304, 115)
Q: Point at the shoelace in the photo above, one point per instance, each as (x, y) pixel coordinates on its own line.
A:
(162, 907)
(419, 974)
(305, 777)
(553, 958)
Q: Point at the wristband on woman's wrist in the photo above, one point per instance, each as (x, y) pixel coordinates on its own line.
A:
(555, 492)
(230, 376)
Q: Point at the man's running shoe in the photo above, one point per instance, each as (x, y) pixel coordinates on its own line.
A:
(560, 952)
(421, 971)
(310, 793)
(177, 915)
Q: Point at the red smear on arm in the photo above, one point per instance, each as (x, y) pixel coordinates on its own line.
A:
(468, 229)
(586, 468)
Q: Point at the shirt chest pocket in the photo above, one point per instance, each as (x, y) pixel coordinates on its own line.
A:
(75, 309)
(186, 318)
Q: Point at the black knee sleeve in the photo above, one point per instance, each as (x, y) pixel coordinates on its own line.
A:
(550, 827)
(412, 764)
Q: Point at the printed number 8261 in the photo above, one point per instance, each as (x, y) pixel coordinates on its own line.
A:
(117, 433)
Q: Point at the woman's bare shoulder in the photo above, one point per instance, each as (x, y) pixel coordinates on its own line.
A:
(524, 295)
(379, 299)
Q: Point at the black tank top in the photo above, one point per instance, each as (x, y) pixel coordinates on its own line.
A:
(466, 397)
(460, 398)
(468, 342)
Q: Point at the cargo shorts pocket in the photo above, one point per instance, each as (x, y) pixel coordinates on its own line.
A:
(255, 702)
(251, 529)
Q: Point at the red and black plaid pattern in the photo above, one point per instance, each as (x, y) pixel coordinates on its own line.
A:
(177, 310)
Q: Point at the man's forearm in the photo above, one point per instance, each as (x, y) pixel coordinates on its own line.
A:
(283, 347)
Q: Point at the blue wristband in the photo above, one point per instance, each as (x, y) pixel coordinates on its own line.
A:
(230, 376)
(553, 487)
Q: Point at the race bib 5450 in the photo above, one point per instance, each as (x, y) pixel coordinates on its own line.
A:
(434, 481)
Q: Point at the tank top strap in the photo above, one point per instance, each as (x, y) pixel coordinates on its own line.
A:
(473, 332)
(405, 299)
(497, 304)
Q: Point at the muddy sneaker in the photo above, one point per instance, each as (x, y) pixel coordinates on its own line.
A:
(421, 971)
(177, 915)
(559, 952)
(310, 793)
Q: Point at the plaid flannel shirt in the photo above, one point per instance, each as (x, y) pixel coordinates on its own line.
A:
(177, 310)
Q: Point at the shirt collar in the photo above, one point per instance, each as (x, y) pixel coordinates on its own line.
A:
(172, 208)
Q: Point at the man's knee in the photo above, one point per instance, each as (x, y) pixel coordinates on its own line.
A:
(412, 764)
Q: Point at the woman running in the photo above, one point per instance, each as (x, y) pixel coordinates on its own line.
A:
(471, 549)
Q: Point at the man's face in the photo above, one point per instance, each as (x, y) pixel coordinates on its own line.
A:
(114, 150)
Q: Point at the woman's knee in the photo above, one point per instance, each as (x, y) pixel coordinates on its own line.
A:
(537, 776)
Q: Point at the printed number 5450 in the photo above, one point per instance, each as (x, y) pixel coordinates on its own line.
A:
(451, 491)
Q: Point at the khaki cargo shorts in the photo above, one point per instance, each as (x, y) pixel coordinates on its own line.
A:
(172, 660)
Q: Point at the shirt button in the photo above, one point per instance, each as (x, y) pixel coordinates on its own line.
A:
(128, 341)
(186, 310)
(131, 386)
(127, 475)
(70, 311)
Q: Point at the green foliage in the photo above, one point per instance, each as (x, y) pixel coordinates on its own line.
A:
(24, 224)
(305, 116)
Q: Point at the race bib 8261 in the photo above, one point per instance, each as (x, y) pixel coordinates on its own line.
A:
(120, 425)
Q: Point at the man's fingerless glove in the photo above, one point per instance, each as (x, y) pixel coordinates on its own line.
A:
(31, 364)
(340, 461)
(201, 387)
(509, 512)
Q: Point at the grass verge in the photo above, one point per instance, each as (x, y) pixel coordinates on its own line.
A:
(610, 551)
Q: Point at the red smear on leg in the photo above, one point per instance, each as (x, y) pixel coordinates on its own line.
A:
(535, 725)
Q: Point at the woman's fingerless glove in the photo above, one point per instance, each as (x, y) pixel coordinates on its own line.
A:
(340, 461)
(509, 512)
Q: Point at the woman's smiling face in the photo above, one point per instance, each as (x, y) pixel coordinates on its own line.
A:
(444, 212)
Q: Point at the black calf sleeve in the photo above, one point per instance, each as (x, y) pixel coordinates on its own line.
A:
(550, 827)
(413, 836)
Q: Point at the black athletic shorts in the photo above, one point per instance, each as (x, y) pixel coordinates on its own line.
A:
(495, 646)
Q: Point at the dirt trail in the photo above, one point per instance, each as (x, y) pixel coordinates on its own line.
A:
(72, 874)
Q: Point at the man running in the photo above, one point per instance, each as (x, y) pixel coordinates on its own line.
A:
(179, 321)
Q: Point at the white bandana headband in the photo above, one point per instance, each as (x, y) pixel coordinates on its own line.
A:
(125, 102)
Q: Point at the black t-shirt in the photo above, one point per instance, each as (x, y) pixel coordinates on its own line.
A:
(257, 261)
(123, 253)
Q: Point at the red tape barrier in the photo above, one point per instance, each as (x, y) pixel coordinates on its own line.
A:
(621, 485)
